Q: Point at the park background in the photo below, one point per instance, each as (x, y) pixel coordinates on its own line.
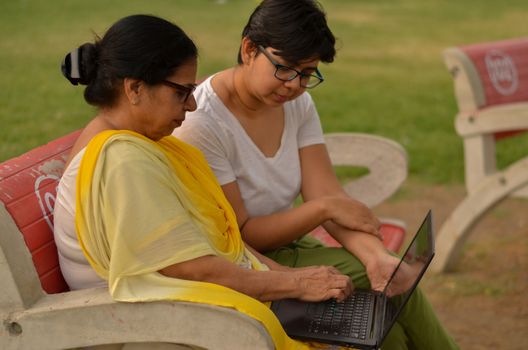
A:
(388, 79)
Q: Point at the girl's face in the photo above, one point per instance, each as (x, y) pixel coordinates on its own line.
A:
(264, 69)
(165, 104)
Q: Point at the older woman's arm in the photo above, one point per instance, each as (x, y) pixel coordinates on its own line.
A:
(310, 284)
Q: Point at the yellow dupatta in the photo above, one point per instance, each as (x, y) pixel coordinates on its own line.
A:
(144, 205)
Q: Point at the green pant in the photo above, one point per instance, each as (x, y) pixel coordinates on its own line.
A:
(417, 326)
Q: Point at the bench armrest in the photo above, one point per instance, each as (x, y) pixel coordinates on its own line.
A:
(385, 159)
(491, 120)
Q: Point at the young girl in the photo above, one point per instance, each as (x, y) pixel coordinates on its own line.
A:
(261, 134)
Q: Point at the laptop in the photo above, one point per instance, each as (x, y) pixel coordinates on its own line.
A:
(364, 319)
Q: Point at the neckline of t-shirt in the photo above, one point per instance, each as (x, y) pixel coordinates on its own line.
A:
(234, 120)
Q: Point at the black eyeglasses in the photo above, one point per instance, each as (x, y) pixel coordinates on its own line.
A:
(286, 73)
(185, 90)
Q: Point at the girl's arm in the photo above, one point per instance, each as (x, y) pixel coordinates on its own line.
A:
(272, 231)
(319, 180)
(325, 201)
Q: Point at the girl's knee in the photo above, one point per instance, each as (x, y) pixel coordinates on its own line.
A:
(396, 339)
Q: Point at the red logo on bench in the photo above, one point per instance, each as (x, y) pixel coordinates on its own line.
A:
(502, 72)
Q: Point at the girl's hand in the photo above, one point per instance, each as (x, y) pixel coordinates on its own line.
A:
(351, 214)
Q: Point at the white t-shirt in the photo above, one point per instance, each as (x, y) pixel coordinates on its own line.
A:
(267, 184)
(75, 268)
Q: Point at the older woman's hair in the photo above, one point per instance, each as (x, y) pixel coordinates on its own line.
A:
(140, 46)
(297, 29)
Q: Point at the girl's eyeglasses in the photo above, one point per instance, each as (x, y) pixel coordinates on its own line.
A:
(286, 73)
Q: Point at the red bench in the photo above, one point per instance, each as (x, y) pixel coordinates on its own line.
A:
(491, 90)
(37, 311)
(28, 186)
(36, 305)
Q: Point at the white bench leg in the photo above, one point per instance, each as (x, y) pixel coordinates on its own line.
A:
(456, 228)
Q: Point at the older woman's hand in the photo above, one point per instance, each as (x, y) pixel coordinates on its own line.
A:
(318, 283)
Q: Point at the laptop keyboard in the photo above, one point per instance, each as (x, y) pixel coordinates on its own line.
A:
(349, 318)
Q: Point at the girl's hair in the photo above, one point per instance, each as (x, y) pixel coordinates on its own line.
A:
(297, 29)
(140, 46)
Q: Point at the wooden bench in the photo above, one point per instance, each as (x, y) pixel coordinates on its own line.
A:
(37, 309)
(491, 90)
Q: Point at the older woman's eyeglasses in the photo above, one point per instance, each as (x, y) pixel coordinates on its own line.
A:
(286, 73)
(184, 91)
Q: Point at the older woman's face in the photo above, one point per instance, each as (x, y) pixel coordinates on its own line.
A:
(166, 104)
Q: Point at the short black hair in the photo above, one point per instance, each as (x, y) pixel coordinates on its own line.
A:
(297, 29)
(142, 47)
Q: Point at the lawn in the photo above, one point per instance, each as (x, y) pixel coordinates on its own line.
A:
(388, 78)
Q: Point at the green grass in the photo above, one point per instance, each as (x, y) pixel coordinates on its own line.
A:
(388, 78)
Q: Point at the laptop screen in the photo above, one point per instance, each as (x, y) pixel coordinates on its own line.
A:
(417, 258)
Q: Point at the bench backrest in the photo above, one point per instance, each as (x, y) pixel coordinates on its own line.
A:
(489, 74)
(28, 187)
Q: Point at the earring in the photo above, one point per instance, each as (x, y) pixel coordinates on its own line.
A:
(135, 102)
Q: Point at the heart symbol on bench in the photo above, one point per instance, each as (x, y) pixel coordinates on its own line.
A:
(46, 196)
